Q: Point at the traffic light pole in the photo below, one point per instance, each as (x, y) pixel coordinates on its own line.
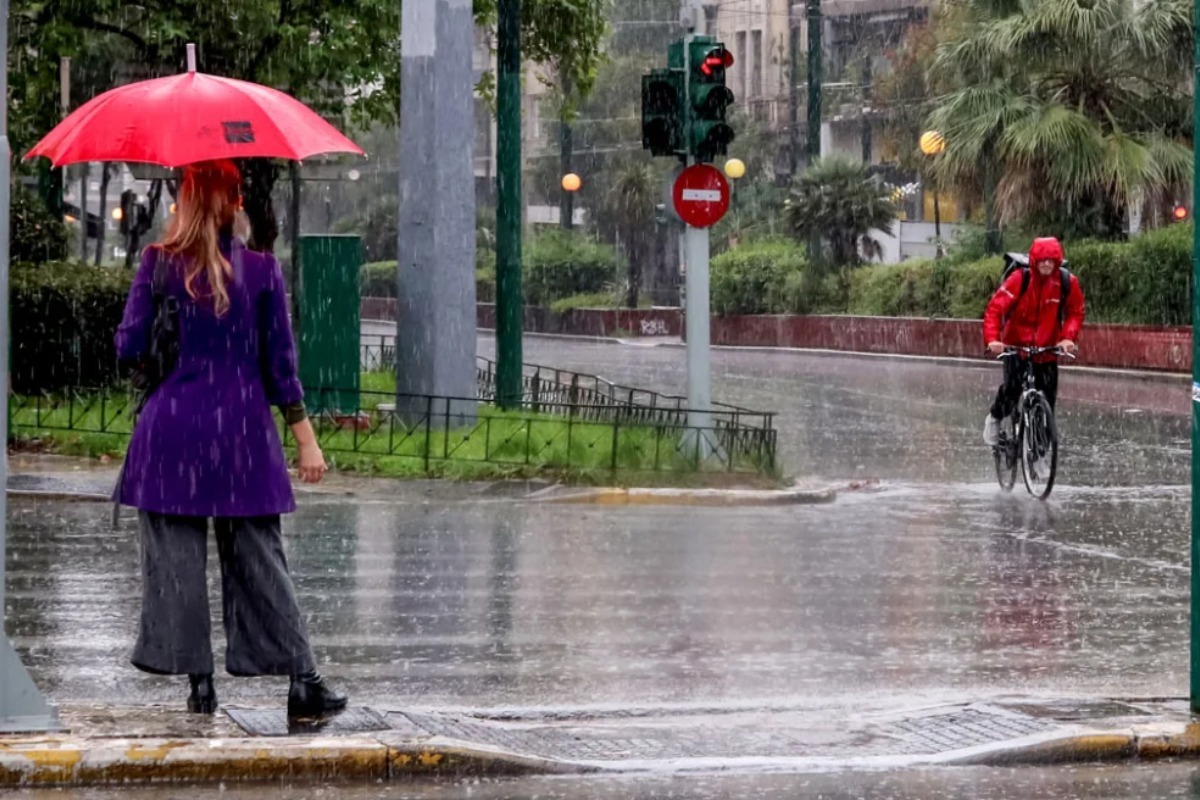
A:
(22, 707)
(696, 284)
(1194, 692)
(508, 206)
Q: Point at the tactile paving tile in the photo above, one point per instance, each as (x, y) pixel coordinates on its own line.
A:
(941, 733)
(275, 722)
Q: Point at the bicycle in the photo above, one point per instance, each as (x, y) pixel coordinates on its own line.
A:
(1029, 434)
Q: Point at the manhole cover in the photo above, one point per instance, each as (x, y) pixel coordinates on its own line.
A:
(275, 722)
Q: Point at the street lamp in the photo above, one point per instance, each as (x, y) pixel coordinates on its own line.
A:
(571, 183)
(932, 143)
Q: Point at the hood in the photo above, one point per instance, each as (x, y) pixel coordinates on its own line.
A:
(1047, 247)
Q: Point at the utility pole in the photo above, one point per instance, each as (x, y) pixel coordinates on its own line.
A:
(509, 305)
(815, 60)
(865, 122)
(566, 199)
(793, 89)
(22, 707)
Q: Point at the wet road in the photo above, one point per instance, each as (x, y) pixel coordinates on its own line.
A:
(933, 587)
(927, 588)
(1160, 781)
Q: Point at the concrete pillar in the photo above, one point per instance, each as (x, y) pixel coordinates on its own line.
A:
(435, 326)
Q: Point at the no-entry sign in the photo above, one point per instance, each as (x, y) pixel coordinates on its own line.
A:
(701, 195)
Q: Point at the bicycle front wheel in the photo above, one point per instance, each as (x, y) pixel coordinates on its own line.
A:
(1039, 447)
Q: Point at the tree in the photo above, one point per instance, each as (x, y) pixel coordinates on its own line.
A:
(839, 201)
(341, 58)
(1072, 110)
(631, 201)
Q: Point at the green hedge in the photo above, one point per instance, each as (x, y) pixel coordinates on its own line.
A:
(63, 320)
(559, 264)
(1144, 281)
(770, 276)
(378, 279)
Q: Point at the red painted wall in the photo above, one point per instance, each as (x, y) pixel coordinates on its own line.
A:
(1118, 346)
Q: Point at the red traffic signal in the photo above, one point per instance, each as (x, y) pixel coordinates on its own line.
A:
(716, 59)
(1180, 212)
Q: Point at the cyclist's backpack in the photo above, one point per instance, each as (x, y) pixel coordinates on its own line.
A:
(1015, 261)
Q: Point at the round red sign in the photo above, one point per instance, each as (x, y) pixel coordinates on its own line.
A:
(701, 195)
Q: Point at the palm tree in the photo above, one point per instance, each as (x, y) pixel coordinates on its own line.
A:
(841, 202)
(631, 205)
(1076, 109)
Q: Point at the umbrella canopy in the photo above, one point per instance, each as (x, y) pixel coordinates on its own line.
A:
(187, 118)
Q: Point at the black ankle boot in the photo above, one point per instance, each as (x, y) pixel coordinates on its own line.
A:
(203, 699)
(311, 697)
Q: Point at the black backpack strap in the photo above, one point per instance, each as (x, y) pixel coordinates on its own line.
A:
(1065, 280)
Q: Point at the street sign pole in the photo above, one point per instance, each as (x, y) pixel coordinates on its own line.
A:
(696, 253)
(22, 707)
(1195, 577)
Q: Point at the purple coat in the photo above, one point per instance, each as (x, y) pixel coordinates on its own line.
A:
(206, 443)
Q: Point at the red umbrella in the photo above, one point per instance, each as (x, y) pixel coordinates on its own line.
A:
(187, 118)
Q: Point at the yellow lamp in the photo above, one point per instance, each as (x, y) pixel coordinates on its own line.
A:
(735, 168)
(117, 214)
(932, 143)
(571, 182)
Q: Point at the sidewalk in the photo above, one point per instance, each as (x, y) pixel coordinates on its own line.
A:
(134, 744)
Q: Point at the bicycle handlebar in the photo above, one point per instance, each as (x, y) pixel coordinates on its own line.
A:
(1010, 351)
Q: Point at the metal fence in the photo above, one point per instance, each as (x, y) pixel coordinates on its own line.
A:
(436, 435)
(566, 420)
(580, 394)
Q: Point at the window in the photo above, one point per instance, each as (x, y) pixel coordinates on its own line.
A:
(741, 84)
(756, 64)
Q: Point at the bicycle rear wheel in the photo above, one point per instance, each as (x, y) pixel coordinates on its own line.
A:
(1005, 454)
(1039, 447)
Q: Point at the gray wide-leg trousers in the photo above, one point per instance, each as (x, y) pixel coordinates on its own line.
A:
(263, 627)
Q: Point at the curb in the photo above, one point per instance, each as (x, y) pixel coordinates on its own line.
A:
(693, 497)
(48, 761)
(1097, 746)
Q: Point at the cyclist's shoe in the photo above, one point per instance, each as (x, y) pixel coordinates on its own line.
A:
(991, 431)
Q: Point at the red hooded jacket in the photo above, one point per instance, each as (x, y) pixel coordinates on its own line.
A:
(1033, 322)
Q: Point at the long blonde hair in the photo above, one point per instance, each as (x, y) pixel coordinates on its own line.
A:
(209, 199)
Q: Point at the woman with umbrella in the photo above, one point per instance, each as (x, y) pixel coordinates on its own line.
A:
(205, 444)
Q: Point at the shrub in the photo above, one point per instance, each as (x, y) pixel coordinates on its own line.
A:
(763, 277)
(37, 235)
(378, 279)
(63, 320)
(560, 263)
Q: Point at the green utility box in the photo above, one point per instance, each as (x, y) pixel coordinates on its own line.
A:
(330, 330)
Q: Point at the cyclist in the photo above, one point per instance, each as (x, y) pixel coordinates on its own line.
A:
(1026, 312)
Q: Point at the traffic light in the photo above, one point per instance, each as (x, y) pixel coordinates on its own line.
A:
(1179, 213)
(662, 122)
(709, 134)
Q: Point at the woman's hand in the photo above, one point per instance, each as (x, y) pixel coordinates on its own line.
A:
(312, 463)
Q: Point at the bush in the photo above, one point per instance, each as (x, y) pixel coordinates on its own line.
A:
(560, 263)
(764, 277)
(598, 300)
(37, 235)
(64, 317)
(377, 279)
